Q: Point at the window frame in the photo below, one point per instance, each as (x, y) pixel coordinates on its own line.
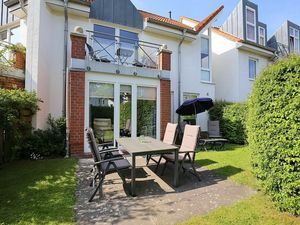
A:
(255, 74)
(262, 36)
(251, 24)
(208, 69)
(296, 48)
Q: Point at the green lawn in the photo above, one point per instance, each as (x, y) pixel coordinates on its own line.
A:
(38, 192)
(234, 163)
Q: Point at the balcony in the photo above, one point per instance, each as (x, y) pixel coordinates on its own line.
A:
(112, 54)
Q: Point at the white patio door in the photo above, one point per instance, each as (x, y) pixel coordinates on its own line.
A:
(121, 107)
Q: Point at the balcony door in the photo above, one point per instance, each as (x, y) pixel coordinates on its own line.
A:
(120, 107)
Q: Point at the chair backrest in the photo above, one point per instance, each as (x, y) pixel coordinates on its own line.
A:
(93, 145)
(214, 128)
(170, 133)
(91, 50)
(190, 138)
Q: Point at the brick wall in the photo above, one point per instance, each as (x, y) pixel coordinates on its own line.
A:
(165, 91)
(76, 112)
(76, 92)
(11, 83)
(165, 105)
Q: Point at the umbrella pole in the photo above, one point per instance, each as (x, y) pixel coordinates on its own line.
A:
(195, 114)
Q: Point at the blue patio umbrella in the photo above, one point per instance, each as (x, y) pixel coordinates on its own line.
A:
(195, 106)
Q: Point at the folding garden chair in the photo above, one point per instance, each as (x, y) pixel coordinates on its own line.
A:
(169, 138)
(105, 166)
(186, 151)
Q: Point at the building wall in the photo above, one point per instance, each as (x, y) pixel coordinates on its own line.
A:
(233, 83)
(225, 68)
(245, 84)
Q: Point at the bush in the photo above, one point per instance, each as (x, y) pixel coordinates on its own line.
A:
(232, 117)
(46, 143)
(16, 109)
(274, 132)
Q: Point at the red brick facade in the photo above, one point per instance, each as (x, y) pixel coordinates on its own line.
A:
(20, 61)
(76, 112)
(76, 92)
(78, 46)
(165, 59)
(165, 91)
(11, 82)
(165, 105)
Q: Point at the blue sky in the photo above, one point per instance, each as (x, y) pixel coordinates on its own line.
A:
(271, 12)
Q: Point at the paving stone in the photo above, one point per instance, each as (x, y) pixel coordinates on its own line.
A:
(157, 201)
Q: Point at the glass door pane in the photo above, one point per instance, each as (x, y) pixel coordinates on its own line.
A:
(101, 111)
(125, 110)
(146, 111)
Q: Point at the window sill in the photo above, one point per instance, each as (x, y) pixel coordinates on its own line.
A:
(251, 79)
(207, 82)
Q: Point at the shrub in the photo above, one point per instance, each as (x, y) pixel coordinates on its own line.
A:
(234, 122)
(232, 117)
(16, 109)
(46, 143)
(274, 132)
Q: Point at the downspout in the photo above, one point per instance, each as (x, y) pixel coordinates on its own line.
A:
(65, 69)
(179, 69)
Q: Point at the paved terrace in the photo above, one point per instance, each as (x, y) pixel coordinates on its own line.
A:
(157, 201)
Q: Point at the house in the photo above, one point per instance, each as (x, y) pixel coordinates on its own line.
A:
(286, 39)
(240, 52)
(11, 31)
(127, 70)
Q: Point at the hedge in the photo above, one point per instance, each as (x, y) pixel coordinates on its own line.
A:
(16, 109)
(274, 132)
(232, 117)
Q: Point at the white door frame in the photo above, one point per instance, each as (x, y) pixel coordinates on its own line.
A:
(118, 80)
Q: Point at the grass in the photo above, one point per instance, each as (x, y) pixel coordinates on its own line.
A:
(38, 192)
(234, 163)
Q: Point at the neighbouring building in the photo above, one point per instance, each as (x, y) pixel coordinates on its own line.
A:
(127, 70)
(11, 31)
(286, 39)
(240, 52)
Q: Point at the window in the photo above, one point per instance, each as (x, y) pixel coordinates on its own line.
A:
(252, 68)
(15, 35)
(104, 42)
(294, 40)
(101, 111)
(3, 36)
(146, 111)
(262, 35)
(205, 63)
(250, 24)
(192, 118)
(129, 41)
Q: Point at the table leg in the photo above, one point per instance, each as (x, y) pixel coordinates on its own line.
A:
(133, 176)
(176, 171)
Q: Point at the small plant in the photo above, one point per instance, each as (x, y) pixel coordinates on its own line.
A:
(46, 143)
(232, 117)
(17, 48)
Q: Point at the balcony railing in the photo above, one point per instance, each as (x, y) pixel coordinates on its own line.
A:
(119, 50)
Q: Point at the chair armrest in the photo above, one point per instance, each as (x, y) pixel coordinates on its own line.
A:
(186, 152)
(108, 160)
(108, 151)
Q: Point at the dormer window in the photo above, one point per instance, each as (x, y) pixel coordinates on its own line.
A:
(294, 40)
(250, 24)
(262, 35)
